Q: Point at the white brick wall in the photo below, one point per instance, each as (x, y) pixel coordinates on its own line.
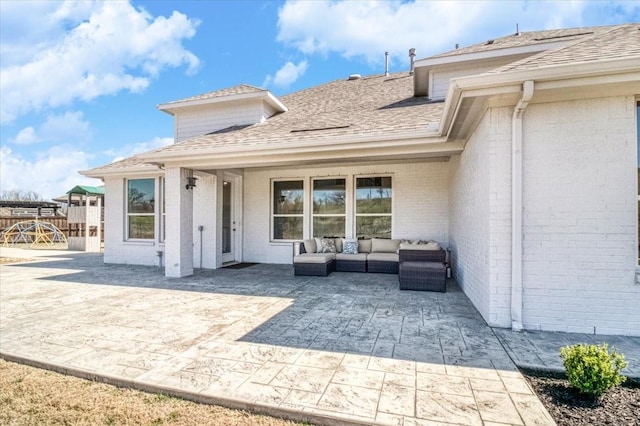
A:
(469, 224)
(580, 218)
(179, 212)
(420, 203)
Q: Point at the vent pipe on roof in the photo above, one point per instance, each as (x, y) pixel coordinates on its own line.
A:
(412, 56)
(386, 64)
(517, 29)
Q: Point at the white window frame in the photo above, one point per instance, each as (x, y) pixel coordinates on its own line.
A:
(355, 201)
(129, 215)
(275, 215)
(346, 203)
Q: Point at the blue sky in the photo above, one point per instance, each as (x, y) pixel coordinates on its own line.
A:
(80, 81)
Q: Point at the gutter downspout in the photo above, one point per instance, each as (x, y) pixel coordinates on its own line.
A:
(516, 205)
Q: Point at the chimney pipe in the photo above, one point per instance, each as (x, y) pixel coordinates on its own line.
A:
(386, 64)
(412, 55)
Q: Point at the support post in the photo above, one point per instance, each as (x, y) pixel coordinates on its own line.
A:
(179, 223)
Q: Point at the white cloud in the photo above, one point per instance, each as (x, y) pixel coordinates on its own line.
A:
(138, 148)
(26, 136)
(49, 174)
(367, 29)
(287, 75)
(55, 53)
(67, 127)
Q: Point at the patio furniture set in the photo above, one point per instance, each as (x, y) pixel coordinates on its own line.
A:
(420, 265)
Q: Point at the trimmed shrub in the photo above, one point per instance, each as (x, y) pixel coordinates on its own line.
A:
(592, 369)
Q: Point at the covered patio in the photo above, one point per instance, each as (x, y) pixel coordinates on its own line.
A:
(345, 348)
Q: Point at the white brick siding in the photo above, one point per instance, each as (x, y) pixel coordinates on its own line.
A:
(420, 203)
(204, 214)
(179, 238)
(580, 217)
(469, 224)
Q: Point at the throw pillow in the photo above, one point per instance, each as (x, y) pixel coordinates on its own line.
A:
(350, 247)
(310, 246)
(328, 245)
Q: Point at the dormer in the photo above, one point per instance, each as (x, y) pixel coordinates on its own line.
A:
(241, 105)
(432, 75)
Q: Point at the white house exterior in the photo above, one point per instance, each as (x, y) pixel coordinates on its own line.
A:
(517, 154)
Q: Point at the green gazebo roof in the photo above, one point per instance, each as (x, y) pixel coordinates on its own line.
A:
(86, 190)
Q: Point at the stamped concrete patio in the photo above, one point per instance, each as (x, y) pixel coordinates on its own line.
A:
(349, 348)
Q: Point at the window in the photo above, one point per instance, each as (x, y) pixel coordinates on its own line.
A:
(329, 208)
(140, 208)
(288, 202)
(373, 207)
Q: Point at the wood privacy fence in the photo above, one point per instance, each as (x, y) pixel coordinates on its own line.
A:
(59, 222)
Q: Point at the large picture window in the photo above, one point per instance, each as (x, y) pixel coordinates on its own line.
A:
(140, 209)
(288, 203)
(329, 207)
(373, 207)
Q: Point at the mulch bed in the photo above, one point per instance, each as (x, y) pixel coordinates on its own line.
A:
(568, 407)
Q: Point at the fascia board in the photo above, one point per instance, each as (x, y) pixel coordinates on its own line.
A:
(489, 54)
(319, 145)
(124, 171)
(346, 154)
(553, 72)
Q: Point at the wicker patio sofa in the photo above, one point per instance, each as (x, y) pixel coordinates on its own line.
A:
(377, 255)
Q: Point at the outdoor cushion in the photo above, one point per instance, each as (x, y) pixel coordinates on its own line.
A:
(328, 245)
(358, 256)
(350, 247)
(429, 246)
(338, 245)
(310, 246)
(383, 257)
(318, 244)
(364, 246)
(383, 245)
(314, 258)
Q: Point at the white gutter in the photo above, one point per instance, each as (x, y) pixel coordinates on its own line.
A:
(516, 205)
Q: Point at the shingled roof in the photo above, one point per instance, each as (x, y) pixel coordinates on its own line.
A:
(370, 106)
(615, 42)
(240, 89)
(529, 38)
(377, 107)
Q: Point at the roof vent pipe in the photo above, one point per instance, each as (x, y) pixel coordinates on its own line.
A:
(412, 56)
(386, 64)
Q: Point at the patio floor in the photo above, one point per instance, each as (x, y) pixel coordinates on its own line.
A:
(345, 348)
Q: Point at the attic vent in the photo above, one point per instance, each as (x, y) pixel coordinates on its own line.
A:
(562, 36)
(320, 128)
(354, 77)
